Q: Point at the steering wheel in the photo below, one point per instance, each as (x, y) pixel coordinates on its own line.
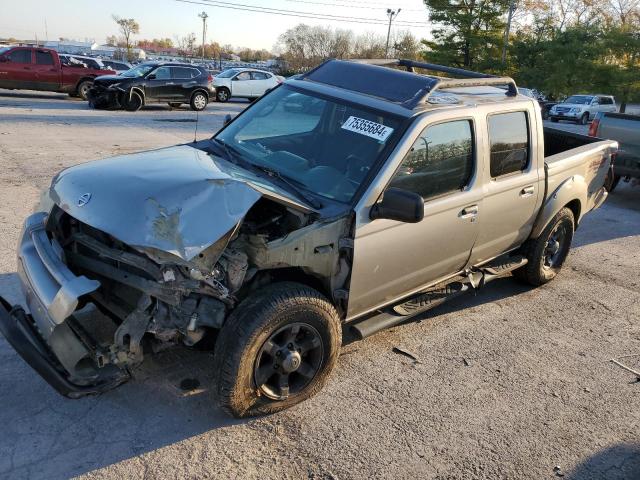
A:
(357, 167)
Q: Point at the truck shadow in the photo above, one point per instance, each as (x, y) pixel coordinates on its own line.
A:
(619, 217)
(169, 399)
(619, 462)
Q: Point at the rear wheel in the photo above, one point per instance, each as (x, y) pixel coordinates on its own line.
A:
(133, 103)
(199, 101)
(277, 349)
(83, 89)
(547, 253)
(223, 95)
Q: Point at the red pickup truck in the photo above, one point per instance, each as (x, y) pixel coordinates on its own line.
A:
(26, 68)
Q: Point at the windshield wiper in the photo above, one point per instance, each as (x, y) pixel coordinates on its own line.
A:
(231, 152)
(276, 174)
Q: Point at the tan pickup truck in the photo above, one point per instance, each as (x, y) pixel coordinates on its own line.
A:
(355, 194)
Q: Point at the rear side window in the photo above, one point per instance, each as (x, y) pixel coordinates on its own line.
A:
(509, 142)
(184, 72)
(439, 162)
(259, 76)
(20, 56)
(44, 58)
(605, 101)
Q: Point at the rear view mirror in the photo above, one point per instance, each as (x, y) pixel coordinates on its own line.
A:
(400, 205)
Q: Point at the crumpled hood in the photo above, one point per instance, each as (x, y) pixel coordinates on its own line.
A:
(107, 80)
(178, 199)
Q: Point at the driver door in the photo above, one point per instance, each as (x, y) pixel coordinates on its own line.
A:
(394, 259)
(159, 84)
(241, 85)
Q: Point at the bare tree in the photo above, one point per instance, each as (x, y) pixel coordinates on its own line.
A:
(128, 27)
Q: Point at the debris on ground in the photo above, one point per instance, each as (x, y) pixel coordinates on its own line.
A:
(405, 353)
(558, 471)
(627, 368)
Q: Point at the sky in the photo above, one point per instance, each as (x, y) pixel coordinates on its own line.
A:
(80, 19)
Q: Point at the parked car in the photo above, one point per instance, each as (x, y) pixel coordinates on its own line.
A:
(173, 83)
(83, 61)
(624, 129)
(539, 97)
(119, 67)
(582, 108)
(26, 68)
(243, 83)
(401, 192)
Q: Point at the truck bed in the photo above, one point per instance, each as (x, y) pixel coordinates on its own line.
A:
(571, 157)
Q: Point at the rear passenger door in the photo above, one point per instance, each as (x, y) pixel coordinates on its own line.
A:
(511, 185)
(47, 74)
(184, 81)
(393, 259)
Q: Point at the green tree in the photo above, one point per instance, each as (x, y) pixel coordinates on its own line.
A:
(469, 33)
(128, 27)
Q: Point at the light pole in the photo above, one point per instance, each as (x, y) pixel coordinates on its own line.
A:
(204, 17)
(391, 14)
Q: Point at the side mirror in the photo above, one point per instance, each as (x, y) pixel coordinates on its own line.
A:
(151, 77)
(227, 119)
(400, 205)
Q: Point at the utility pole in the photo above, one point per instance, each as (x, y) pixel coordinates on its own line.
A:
(204, 17)
(512, 7)
(391, 14)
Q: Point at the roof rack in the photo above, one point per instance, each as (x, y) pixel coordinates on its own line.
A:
(471, 79)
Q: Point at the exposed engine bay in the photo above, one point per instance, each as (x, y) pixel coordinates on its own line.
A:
(149, 300)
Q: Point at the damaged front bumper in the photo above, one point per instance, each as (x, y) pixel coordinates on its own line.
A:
(45, 338)
(101, 97)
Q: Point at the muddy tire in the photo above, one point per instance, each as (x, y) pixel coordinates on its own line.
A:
(276, 349)
(223, 94)
(133, 103)
(199, 101)
(83, 89)
(547, 253)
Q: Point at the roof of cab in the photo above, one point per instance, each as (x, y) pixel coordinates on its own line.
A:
(409, 90)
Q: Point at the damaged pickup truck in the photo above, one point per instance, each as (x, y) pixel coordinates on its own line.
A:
(383, 194)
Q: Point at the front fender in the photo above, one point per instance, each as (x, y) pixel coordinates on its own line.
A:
(573, 190)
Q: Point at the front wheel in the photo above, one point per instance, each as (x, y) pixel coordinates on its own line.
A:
(584, 119)
(133, 103)
(547, 253)
(277, 349)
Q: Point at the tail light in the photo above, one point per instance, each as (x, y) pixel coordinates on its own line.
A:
(593, 129)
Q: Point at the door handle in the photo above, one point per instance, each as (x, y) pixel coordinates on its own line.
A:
(527, 191)
(469, 212)
(169, 83)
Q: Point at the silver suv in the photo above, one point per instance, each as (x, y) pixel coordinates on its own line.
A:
(582, 108)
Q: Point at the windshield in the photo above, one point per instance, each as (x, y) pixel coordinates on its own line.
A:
(227, 73)
(324, 146)
(579, 99)
(139, 71)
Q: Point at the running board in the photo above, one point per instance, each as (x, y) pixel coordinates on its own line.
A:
(437, 295)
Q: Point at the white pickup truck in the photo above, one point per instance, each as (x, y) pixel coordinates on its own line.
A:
(354, 194)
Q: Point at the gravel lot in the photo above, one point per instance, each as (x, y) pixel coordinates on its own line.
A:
(510, 383)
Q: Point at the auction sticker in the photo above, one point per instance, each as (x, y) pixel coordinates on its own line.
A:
(368, 128)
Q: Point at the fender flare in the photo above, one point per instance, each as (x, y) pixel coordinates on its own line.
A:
(573, 193)
(139, 91)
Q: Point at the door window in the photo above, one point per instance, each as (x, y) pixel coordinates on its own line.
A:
(20, 56)
(439, 162)
(509, 142)
(44, 58)
(259, 76)
(163, 73)
(243, 76)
